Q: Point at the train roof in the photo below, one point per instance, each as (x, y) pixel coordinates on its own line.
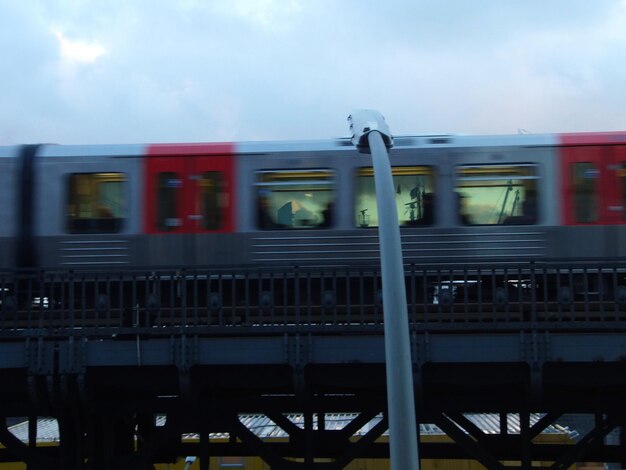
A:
(9, 152)
(113, 150)
(402, 141)
(328, 145)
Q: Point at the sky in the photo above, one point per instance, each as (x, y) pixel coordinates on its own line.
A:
(140, 71)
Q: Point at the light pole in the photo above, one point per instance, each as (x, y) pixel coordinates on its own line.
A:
(370, 134)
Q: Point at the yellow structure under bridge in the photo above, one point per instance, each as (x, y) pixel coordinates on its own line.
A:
(48, 435)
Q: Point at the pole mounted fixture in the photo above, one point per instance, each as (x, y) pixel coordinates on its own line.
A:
(362, 123)
(370, 134)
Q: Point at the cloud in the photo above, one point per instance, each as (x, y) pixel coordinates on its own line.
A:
(196, 70)
(270, 15)
(79, 51)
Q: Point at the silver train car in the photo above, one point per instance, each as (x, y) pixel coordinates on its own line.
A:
(459, 199)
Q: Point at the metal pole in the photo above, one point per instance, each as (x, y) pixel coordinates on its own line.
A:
(400, 395)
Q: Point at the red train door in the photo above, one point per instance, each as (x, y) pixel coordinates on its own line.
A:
(593, 182)
(617, 168)
(189, 188)
(211, 198)
(188, 192)
(167, 195)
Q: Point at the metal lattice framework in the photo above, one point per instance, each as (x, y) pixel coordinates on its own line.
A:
(106, 352)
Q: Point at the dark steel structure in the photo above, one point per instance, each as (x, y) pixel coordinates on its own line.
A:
(108, 353)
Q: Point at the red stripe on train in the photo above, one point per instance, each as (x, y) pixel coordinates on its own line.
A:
(170, 150)
(593, 138)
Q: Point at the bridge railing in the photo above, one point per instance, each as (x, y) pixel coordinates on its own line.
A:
(481, 296)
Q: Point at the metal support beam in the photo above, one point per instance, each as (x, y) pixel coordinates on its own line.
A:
(25, 453)
(367, 440)
(593, 439)
(253, 442)
(471, 446)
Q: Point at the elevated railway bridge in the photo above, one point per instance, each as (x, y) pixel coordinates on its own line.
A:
(129, 361)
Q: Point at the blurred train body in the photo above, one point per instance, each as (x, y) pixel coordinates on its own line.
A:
(460, 199)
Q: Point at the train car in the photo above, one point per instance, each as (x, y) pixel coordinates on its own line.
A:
(456, 198)
(459, 199)
(87, 206)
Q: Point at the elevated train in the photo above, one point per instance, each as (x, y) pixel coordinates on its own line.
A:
(459, 199)
(224, 230)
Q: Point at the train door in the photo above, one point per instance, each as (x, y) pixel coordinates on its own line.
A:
(617, 170)
(189, 203)
(593, 187)
(593, 184)
(211, 200)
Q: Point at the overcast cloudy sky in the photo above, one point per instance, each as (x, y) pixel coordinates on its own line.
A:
(117, 71)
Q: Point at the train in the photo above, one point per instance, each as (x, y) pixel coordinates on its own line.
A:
(459, 199)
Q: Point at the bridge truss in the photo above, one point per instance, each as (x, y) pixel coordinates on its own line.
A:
(130, 361)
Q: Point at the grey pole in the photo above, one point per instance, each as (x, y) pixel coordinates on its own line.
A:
(370, 133)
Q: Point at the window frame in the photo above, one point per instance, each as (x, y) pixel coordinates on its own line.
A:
(174, 194)
(532, 203)
(103, 224)
(215, 220)
(264, 189)
(430, 171)
(576, 195)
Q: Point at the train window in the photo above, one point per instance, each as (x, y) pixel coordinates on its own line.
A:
(168, 193)
(497, 194)
(414, 196)
(295, 199)
(584, 177)
(212, 199)
(96, 202)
